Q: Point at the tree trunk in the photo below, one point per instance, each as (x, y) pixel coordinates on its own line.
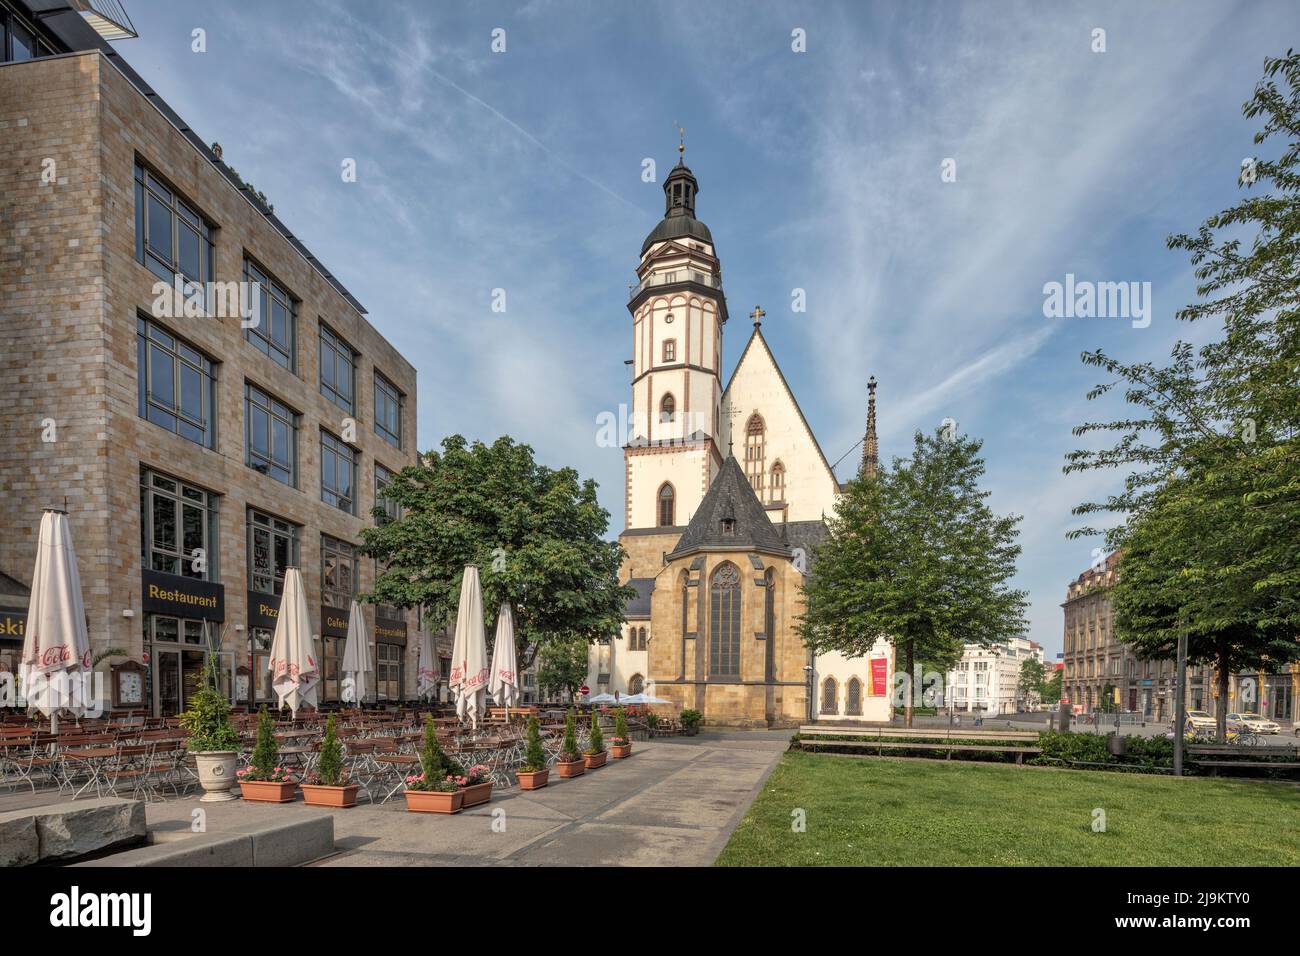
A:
(907, 704)
(1221, 712)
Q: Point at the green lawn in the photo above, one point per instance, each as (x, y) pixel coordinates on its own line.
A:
(865, 812)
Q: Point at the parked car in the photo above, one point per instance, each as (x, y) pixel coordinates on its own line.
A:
(1199, 720)
(1252, 724)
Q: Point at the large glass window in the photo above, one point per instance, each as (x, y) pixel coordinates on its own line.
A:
(338, 473)
(271, 436)
(171, 238)
(338, 370)
(177, 387)
(272, 547)
(388, 411)
(276, 332)
(724, 622)
(389, 507)
(338, 572)
(388, 671)
(178, 524)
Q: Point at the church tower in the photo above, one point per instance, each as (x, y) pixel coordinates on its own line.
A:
(678, 310)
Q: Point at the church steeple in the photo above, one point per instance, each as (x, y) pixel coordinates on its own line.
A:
(870, 447)
(679, 191)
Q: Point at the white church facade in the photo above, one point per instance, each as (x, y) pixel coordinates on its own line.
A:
(726, 494)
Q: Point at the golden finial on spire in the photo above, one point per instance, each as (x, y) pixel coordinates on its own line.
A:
(681, 142)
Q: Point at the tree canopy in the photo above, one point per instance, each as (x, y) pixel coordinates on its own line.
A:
(535, 534)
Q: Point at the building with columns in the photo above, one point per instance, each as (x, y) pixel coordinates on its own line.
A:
(726, 494)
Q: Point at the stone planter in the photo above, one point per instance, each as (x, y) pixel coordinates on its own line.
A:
(592, 761)
(476, 794)
(533, 779)
(217, 774)
(621, 750)
(267, 791)
(434, 801)
(691, 731)
(573, 768)
(320, 795)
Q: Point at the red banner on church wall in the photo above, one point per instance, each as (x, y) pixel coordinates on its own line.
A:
(879, 677)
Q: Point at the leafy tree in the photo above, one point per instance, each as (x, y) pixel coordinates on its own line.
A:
(914, 555)
(536, 535)
(1211, 504)
(1052, 687)
(1030, 687)
(562, 666)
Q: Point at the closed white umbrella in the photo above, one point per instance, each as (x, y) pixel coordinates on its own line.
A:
(356, 658)
(469, 671)
(295, 675)
(56, 648)
(504, 685)
(426, 668)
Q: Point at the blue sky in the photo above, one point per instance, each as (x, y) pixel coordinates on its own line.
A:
(818, 170)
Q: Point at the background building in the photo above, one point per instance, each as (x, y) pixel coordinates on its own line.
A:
(987, 679)
(197, 458)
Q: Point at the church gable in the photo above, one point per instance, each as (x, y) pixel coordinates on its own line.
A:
(772, 439)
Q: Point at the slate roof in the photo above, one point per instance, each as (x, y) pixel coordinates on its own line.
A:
(804, 534)
(638, 608)
(731, 497)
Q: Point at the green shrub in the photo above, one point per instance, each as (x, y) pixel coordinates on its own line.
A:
(1144, 753)
(329, 768)
(534, 754)
(569, 751)
(690, 718)
(208, 722)
(620, 728)
(595, 739)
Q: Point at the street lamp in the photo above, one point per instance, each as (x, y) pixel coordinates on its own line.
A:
(808, 669)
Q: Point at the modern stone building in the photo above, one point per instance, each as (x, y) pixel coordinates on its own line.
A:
(198, 447)
(987, 679)
(727, 491)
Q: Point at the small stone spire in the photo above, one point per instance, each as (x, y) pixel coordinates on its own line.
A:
(870, 446)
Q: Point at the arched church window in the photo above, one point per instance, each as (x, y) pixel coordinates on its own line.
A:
(667, 505)
(636, 685)
(769, 623)
(853, 702)
(830, 696)
(754, 451)
(724, 621)
(778, 482)
(668, 408)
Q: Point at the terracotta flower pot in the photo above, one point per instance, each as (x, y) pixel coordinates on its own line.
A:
(217, 774)
(476, 794)
(434, 801)
(320, 795)
(572, 768)
(592, 761)
(266, 791)
(621, 750)
(533, 779)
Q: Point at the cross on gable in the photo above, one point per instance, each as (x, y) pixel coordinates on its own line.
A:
(757, 316)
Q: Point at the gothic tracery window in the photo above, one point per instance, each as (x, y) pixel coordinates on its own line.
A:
(667, 505)
(724, 621)
(853, 703)
(777, 485)
(830, 696)
(636, 685)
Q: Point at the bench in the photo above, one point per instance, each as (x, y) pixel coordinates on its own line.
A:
(873, 733)
(813, 745)
(1245, 757)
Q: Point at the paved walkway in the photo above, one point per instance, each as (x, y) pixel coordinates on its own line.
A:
(674, 802)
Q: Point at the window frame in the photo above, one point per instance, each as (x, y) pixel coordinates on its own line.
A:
(181, 214)
(184, 495)
(397, 399)
(394, 512)
(725, 614)
(275, 410)
(201, 363)
(670, 499)
(338, 349)
(275, 528)
(339, 451)
(261, 336)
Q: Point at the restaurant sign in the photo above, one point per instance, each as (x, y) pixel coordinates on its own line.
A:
(184, 597)
(13, 623)
(393, 632)
(263, 609)
(333, 621)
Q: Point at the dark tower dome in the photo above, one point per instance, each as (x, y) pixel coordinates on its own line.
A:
(679, 210)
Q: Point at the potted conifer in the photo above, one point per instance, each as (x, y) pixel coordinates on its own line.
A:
(263, 780)
(327, 787)
(595, 755)
(621, 743)
(534, 773)
(213, 741)
(433, 790)
(569, 761)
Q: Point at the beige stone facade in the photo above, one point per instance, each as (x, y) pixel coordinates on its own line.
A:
(72, 288)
